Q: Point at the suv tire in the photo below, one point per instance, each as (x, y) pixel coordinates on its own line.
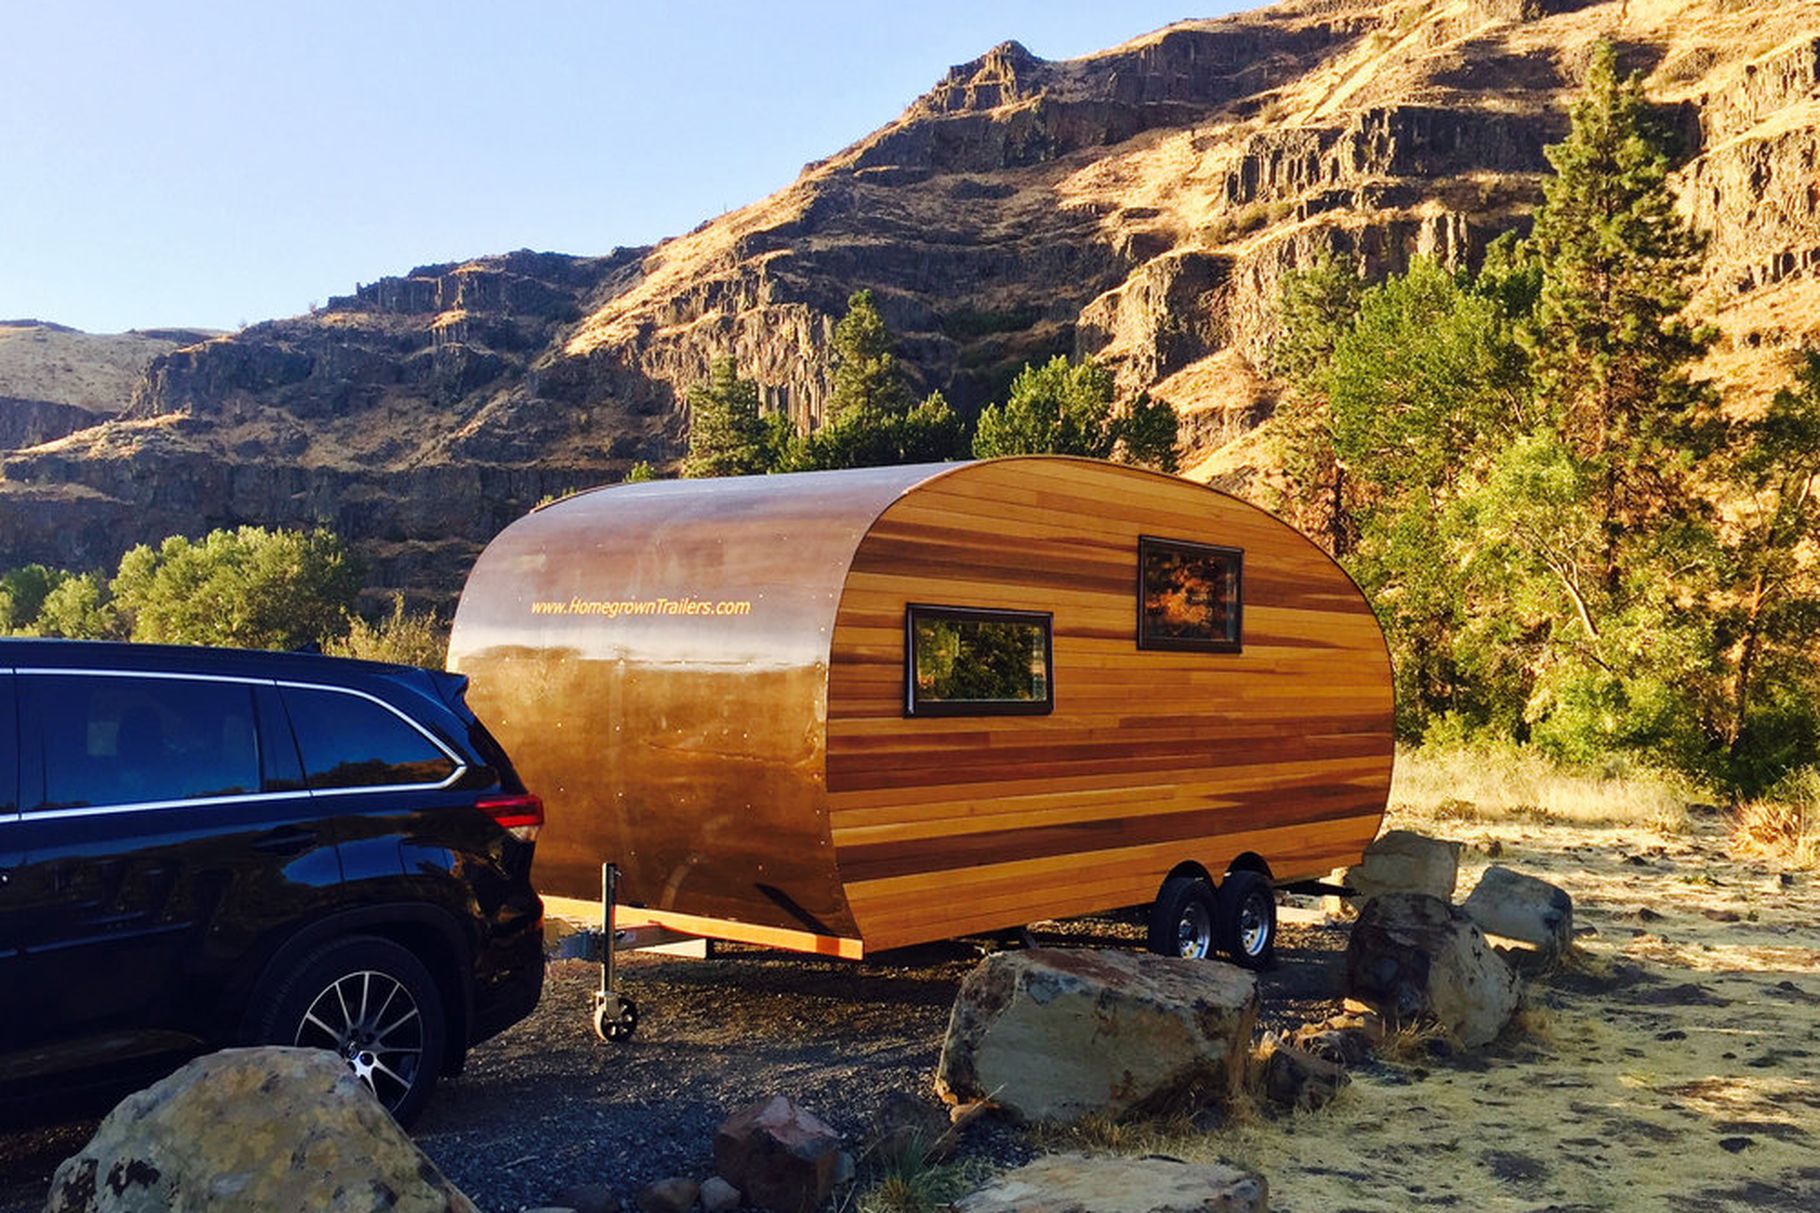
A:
(372, 1001)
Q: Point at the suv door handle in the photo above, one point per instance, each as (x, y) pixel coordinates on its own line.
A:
(285, 840)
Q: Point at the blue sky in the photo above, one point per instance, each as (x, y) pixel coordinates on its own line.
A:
(214, 163)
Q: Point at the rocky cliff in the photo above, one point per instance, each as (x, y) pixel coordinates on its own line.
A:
(1137, 205)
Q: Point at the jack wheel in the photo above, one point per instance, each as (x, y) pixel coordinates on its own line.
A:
(615, 1018)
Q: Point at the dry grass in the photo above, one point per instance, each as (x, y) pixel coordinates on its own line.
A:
(1506, 784)
(1784, 825)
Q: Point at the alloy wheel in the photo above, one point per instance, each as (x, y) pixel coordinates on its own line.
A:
(371, 1020)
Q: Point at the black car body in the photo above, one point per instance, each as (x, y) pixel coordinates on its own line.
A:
(202, 847)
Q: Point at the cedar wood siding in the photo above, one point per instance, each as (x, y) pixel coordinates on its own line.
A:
(947, 825)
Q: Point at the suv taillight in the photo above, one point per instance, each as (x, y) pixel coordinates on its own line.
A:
(521, 816)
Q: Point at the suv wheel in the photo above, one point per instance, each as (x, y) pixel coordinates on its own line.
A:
(372, 1002)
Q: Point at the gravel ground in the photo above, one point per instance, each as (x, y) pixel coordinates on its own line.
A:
(547, 1105)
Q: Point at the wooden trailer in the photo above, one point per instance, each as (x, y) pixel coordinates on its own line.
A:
(850, 711)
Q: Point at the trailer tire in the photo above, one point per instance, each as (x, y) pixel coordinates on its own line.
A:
(1184, 919)
(1247, 932)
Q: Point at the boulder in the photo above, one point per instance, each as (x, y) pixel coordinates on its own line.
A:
(1414, 958)
(718, 1196)
(1522, 908)
(674, 1195)
(906, 1126)
(1073, 1183)
(1403, 861)
(1295, 1078)
(253, 1129)
(1051, 1034)
(781, 1157)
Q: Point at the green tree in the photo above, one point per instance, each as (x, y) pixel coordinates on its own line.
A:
(79, 608)
(1428, 377)
(1613, 349)
(868, 382)
(1149, 434)
(1422, 388)
(22, 594)
(247, 588)
(401, 636)
(1316, 306)
(1063, 408)
(872, 417)
(1767, 710)
(640, 472)
(728, 436)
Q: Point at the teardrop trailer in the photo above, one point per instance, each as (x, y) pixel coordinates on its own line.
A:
(846, 712)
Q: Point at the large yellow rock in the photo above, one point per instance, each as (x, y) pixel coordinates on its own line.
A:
(1060, 1034)
(264, 1129)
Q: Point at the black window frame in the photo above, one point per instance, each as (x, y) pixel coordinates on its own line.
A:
(977, 707)
(1188, 644)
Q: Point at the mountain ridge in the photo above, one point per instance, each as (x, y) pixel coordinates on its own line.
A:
(1136, 205)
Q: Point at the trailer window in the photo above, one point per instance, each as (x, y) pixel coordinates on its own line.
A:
(1190, 595)
(965, 661)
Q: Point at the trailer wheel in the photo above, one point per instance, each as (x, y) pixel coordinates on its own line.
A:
(615, 1018)
(1184, 918)
(1248, 920)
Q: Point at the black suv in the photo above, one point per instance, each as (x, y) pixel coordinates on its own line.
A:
(201, 847)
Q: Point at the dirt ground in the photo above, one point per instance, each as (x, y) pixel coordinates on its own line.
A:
(1668, 1067)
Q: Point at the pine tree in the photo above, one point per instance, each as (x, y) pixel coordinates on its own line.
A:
(1315, 308)
(727, 434)
(873, 419)
(1613, 351)
(867, 379)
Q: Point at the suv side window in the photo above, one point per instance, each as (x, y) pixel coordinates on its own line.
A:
(349, 741)
(132, 740)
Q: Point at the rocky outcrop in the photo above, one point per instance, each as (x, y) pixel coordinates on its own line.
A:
(30, 422)
(1073, 1183)
(253, 1130)
(1051, 1034)
(1416, 960)
(1785, 76)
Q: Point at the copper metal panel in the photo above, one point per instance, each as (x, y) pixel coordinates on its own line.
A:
(687, 748)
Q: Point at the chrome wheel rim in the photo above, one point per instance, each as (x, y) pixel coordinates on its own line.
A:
(1194, 932)
(371, 1020)
(1254, 925)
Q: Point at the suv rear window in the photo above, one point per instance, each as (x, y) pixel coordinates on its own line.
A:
(118, 741)
(349, 741)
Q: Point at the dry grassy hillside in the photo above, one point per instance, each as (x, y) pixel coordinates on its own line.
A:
(1138, 205)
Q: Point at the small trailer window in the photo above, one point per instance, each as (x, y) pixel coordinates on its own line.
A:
(1190, 595)
(964, 661)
